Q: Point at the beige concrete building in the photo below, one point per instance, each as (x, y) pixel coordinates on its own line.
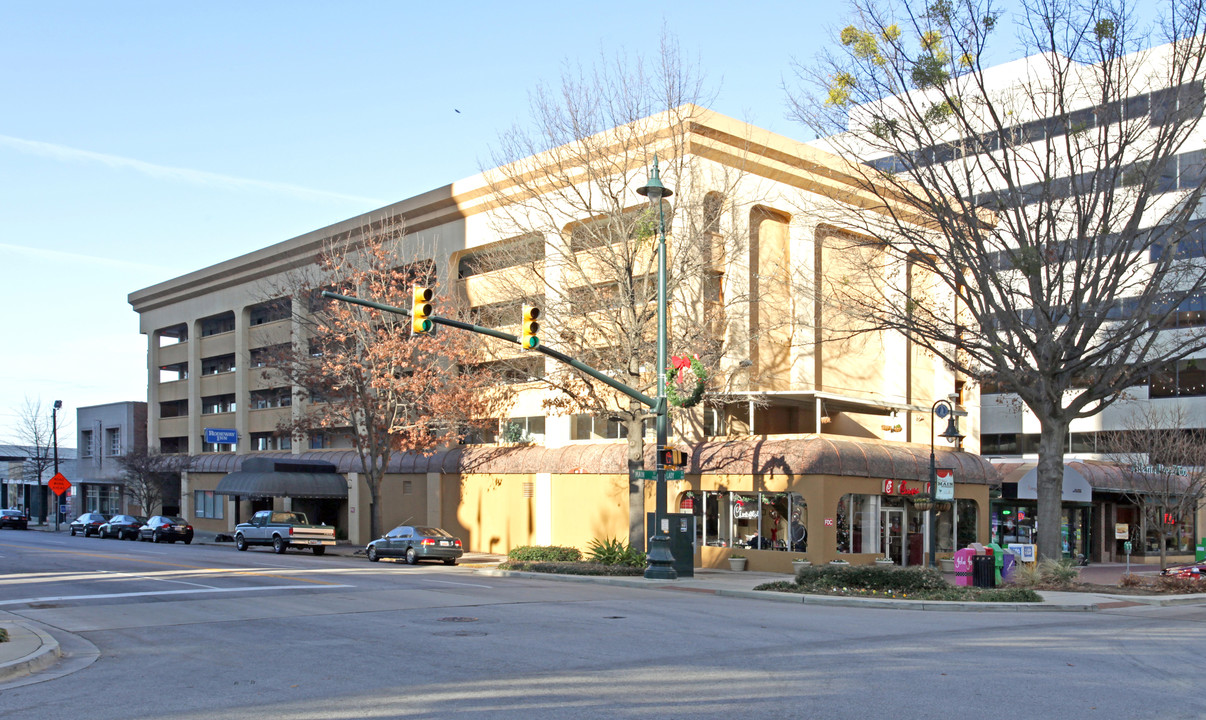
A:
(816, 431)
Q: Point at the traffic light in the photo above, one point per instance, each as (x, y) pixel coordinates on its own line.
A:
(529, 340)
(673, 457)
(419, 324)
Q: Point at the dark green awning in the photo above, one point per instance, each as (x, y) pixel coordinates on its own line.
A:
(264, 477)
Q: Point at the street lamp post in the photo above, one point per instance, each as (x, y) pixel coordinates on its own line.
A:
(941, 409)
(54, 432)
(661, 560)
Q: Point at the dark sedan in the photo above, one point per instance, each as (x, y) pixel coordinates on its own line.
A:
(122, 527)
(16, 519)
(88, 524)
(162, 528)
(415, 544)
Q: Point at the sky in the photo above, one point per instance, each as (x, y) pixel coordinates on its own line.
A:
(143, 140)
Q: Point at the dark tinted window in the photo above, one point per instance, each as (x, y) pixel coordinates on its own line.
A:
(431, 532)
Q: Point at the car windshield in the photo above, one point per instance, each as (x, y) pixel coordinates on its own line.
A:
(140, 519)
(178, 521)
(431, 532)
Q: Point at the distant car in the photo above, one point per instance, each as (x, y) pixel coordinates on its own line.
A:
(16, 519)
(162, 528)
(89, 524)
(1195, 571)
(122, 527)
(415, 543)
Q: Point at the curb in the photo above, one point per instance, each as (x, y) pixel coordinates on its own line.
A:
(43, 651)
(823, 600)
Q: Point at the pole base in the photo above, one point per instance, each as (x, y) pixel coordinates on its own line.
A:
(661, 561)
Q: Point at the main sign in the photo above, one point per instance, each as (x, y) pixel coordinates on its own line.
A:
(945, 489)
(221, 436)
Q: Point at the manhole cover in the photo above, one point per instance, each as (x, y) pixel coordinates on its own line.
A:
(613, 617)
(457, 619)
(460, 633)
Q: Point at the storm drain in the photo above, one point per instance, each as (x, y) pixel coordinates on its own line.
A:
(456, 618)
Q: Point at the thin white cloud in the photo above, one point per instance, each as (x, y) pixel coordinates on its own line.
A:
(60, 256)
(63, 153)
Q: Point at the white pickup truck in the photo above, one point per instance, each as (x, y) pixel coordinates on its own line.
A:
(282, 529)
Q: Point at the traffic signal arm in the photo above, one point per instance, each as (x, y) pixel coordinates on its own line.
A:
(556, 355)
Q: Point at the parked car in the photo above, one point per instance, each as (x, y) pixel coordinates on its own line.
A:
(123, 527)
(415, 544)
(162, 528)
(89, 524)
(282, 530)
(16, 519)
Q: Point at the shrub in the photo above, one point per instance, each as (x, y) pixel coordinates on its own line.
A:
(871, 577)
(3, 635)
(1130, 580)
(572, 568)
(1046, 573)
(1179, 585)
(544, 553)
(612, 551)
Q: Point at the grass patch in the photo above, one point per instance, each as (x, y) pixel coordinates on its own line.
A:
(893, 584)
(573, 568)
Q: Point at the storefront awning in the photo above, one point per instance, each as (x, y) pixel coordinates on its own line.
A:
(265, 477)
(1076, 488)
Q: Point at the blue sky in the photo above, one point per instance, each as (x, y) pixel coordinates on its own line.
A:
(143, 140)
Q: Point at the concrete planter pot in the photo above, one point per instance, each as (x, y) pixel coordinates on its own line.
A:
(885, 563)
(796, 565)
(737, 563)
(947, 565)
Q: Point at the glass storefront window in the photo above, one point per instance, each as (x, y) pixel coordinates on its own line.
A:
(856, 524)
(967, 522)
(764, 521)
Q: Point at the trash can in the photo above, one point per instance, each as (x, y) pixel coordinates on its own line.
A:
(984, 571)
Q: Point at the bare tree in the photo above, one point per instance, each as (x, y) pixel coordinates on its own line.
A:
(36, 432)
(149, 475)
(1032, 225)
(583, 244)
(1168, 463)
(361, 372)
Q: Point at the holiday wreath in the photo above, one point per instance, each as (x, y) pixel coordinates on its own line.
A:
(677, 382)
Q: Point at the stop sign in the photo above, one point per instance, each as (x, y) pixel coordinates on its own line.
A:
(59, 484)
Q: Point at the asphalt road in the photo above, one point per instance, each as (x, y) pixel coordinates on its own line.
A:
(192, 632)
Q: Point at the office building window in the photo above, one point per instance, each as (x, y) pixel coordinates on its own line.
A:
(113, 442)
(85, 443)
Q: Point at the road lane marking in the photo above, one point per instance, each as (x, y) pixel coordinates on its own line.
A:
(151, 593)
(449, 582)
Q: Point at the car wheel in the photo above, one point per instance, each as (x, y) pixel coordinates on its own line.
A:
(450, 561)
(372, 554)
(240, 543)
(132, 536)
(156, 537)
(412, 557)
(278, 545)
(188, 541)
(72, 532)
(319, 549)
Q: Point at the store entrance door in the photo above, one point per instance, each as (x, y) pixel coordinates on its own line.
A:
(891, 533)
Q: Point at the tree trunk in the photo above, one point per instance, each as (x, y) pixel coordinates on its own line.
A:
(636, 485)
(1052, 442)
(373, 480)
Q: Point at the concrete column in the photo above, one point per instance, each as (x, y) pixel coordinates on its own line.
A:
(435, 504)
(355, 509)
(186, 497)
(242, 373)
(152, 393)
(194, 388)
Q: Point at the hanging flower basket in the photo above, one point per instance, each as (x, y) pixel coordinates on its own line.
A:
(922, 504)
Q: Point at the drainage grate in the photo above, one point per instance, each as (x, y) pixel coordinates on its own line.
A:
(457, 619)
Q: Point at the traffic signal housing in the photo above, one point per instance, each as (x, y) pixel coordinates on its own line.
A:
(672, 457)
(420, 312)
(529, 338)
